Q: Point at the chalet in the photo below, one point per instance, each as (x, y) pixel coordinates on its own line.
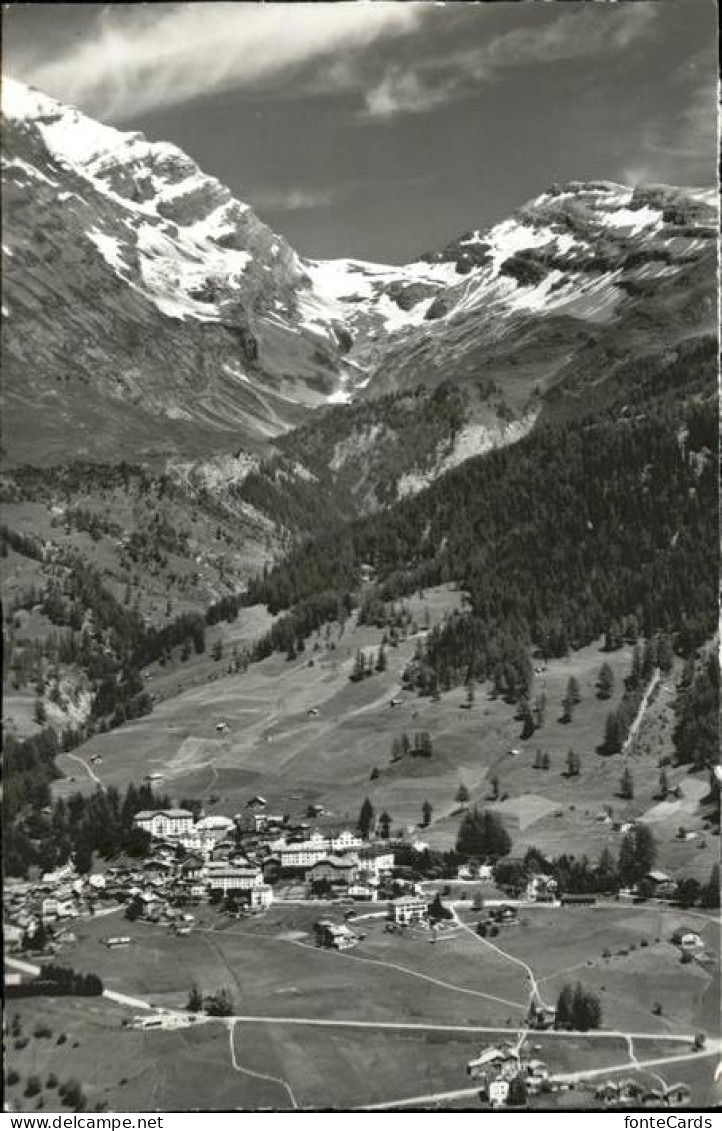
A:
(334, 935)
(376, 859)
(337, 870)
(504, 914)
(271, 868)
(259, 897)
(498, 1091)
(345, 840)
(215, 827)
(691, 941)
(541, 1016)
(117, 941)
(408, 909)
(653, 1097)
(541, 888)
(257, 802)
(677, 1095)
(12, 937)
(162, 823)
(361, 891)
(490, 1058)
(663, 886)
(192, 867)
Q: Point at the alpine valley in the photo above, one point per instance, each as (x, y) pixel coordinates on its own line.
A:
(253, 501)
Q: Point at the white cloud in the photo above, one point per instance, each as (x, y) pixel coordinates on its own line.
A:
(580, 32)
(157, 55)
(296, 199)
(404, 92)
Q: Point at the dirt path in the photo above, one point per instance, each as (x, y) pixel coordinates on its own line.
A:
(534, 993)
(86, 766)
(342, 956)
(257, 1075)
(641, 712)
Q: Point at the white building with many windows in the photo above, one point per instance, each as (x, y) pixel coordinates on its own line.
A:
(164, 823)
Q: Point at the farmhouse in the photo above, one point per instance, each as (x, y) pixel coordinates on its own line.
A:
(691, 941)
(162, 823)
(498, 1092)
(408, 909)
(335, 935)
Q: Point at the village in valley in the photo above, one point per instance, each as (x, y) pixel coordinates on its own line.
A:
(359, 559)
(192, 932)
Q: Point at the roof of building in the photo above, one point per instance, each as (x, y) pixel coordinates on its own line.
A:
(147, 814)
(343, 862)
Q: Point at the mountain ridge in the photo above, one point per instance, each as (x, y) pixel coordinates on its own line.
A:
(208, 333)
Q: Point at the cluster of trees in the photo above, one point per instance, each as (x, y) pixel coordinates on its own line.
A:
(69, 981)
(79, 827)
(218, 1004)
(365, 665)
(421, 747)
(657, 652)
(23, 544)
(696, 732)
(56, 980)
(577, 1008)
(482, 836)
(565, 533)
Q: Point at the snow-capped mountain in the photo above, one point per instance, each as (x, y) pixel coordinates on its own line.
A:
(143, 305)
(147, 311)
(578, 262)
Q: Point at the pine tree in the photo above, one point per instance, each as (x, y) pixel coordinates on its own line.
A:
(626, 785)
(627, 864)
(365, 818)
(358, 671)
(612, 734)
(381, 663)
(546, 761)
(470, 693)
(384, 825)
(663, 784)
(645, 849)
(462, 795)
(426, 811)
(710, 896)
(494, 787)
(605, 682)
(195, 1000)
(573, 695)
(564, 1011)
(540, 710)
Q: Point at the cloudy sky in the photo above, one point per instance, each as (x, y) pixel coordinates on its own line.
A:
(382, 129)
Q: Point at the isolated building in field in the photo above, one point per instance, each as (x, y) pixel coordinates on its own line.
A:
(408, 909)
(334, 935)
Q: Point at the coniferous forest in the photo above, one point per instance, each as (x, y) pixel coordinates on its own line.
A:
(555, 539)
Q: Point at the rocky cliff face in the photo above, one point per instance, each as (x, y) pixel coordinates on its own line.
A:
(147, 313)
